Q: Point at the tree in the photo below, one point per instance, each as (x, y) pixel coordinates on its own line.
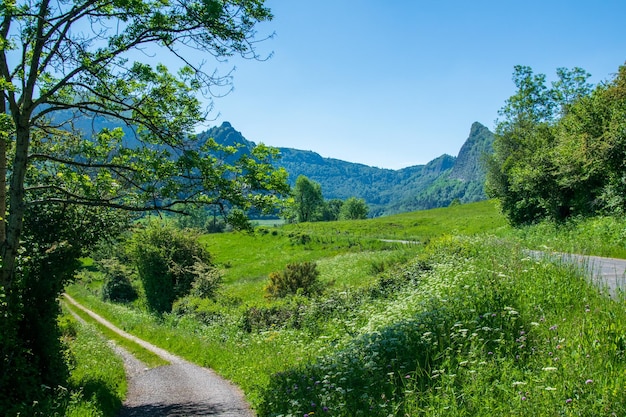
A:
(70, 61)
(331, 210)
(353, 209)
(522, 172)
(308, 199)
(590, 150)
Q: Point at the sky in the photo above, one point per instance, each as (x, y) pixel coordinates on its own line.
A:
(396, 83)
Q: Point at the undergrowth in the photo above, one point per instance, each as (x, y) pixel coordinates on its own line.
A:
(97, 384)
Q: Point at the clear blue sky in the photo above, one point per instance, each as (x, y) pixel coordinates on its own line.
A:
(395, 83)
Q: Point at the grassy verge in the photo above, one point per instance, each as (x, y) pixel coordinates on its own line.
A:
(600, 236)
(97, 382)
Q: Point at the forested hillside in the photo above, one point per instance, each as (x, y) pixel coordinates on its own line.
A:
(436, 184)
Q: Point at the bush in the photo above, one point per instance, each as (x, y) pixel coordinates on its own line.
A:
(117, 284)
(169, 261)
(207, 282)
(297, 278)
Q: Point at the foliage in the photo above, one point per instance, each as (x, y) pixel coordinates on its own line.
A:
(202, 218)
(430, 336)
(600, 236)
(96, 385)
(207, 282)
(171, 264)
(353, 209)
(118, 285)
(560, 152)
(443, 351)
(488, 300)
(31, 353)
(308, 200)
(331, 210)
(296, 278)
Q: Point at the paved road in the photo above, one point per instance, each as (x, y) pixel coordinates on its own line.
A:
(178, 389)
(609, 273)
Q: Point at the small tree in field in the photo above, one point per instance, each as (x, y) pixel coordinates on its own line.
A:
(353, 209)
(308, 199)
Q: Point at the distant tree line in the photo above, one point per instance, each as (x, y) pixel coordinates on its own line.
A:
(308, 205)
(560, 150)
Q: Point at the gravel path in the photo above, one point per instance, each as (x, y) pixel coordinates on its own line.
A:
(178, 389)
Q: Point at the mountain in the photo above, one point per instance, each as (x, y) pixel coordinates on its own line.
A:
(436, 184)
(386, 191)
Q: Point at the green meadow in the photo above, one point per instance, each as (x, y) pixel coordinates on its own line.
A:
(430, 313)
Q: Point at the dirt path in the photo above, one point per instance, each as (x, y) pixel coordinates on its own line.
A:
(178, 389)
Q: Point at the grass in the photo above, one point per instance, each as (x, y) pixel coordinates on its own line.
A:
(97, 384)
(601, 236)
(463, 324)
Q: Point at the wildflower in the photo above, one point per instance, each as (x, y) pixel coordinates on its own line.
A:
(553, 327)
(569, 400)
(550, 389)
(549, 369)
(589, 381)
(524, 398)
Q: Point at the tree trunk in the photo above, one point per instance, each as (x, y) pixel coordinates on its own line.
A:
(3, 176)
(17, 207)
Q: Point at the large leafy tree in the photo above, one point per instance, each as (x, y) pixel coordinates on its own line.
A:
(521, 171)
(560, 152)
(69, 67)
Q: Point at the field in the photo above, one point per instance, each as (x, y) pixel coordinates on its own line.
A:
(439, 312)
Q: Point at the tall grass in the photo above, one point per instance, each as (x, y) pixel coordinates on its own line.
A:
(601, 236)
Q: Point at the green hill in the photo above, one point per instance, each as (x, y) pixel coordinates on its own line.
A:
(436, 184)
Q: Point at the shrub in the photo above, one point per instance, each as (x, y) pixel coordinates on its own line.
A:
(117, 284)
(169, 261)
(279, 316)
(207, 282)
(296, 278)
(204, 310)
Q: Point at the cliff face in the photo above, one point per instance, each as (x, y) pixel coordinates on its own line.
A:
(469, 166)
